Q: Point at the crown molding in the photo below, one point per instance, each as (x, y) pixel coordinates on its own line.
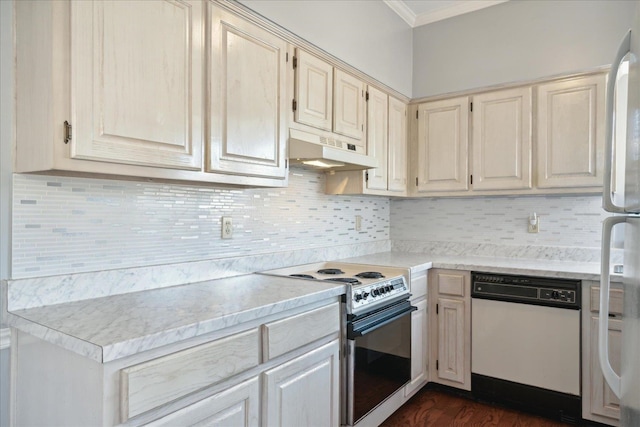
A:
(403, 11)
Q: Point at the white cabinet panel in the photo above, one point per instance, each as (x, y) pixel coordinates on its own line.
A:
(304, 391)
(443, 144)
(419, 347)
(502, 140)
(451, 340)
(314, 91)
(248, 98)
(238, 406)
(377, 137)
(397, 161)
(571, 132)
(137, 82)
(603, 401)
(349, 103)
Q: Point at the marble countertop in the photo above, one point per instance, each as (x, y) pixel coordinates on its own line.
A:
(109, 328)
(521, 266)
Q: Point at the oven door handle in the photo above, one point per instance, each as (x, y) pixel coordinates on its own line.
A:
(361, 327)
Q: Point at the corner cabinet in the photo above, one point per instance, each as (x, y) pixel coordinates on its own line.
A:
(599, 403)
(387, 142)
(450, 328)
(120, 89)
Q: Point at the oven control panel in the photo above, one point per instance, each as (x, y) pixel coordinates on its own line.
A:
(378, 292)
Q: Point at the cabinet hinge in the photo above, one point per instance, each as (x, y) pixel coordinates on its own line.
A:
(437, 309)
(437, 365)
(295, 62)
(286, 56)
(366, 176)
(67, 132)
(416, 114)
(416, 181)
(471, 179)
(286, 163)
(366, 97)
(471, 106)
(295, 105)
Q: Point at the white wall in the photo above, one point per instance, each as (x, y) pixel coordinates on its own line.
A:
(366, 34)
(517, 40)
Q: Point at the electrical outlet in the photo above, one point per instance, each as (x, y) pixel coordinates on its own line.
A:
(358, 222)
(227, 227)
(534, 224)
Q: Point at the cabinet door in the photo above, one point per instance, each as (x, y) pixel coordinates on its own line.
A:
(571, 133)
(443, 145)
(313, 91)
(502, 140)
(603, 401)
(377, 137)
(348, 105)
(237, 406)
(419, 353)
(137, 82)
(397, 161)
(451, 348)
(304, 391)
(248, 98)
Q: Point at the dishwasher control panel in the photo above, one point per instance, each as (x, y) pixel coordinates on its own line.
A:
(551, 292)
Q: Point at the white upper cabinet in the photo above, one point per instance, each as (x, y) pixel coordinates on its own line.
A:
(571, 132)
(397, 161)
(313, 91)
(502, 140)
(442, 146)
(330, 100)
(377, 137)
(349, 105)
(137, 82)
(248, 102)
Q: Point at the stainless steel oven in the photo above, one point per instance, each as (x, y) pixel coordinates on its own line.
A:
(378, 357)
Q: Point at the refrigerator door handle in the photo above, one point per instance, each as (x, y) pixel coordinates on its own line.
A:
(607, 196)
(610, 376)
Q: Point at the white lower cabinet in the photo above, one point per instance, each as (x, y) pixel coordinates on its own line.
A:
(304, 391)
(226, 379)
(419, 334)
(238, 406)
(599, 403)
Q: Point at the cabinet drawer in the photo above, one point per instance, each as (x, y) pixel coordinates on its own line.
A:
(288, 334)
(451, 284)
(156, 382)
(615, 300)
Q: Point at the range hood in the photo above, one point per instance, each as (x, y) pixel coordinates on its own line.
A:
(317, 152)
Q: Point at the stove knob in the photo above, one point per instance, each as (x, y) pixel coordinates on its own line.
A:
(375, 292)
(365, 295)
(357, 297)
(388, 288)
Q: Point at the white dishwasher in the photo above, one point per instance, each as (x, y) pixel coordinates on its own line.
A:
(525, 344)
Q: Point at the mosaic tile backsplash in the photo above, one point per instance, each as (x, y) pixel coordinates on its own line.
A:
(64, 225)
(571, 221)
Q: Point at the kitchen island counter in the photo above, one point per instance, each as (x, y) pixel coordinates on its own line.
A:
(117, 326)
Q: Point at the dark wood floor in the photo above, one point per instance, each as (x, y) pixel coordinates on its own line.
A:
(438, 408)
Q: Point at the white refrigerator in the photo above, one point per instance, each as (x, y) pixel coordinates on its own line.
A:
(625, 157)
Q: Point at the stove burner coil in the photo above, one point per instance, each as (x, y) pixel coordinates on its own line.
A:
(349, 280)
(370, 275)
(302, 276)
(330, 271)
